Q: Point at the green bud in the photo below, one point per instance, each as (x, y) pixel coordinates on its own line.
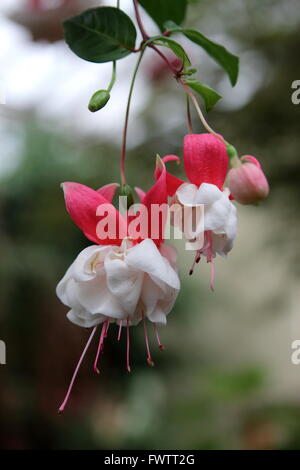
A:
(98, 100)
(127, 191)
(190, 72)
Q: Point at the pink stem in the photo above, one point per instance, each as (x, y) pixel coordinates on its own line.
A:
(106, 329)
(128, 346)
(146, 37)
(139, 20)
(212, 275)
(149, 359)
(99, 350)
(120, 330)
(62, 406)
(161, 347)
(171, 67)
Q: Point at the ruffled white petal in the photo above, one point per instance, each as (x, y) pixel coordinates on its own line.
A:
(124, 282)
(84, 318)
(89, 263)
(120, 283)
(219, 215)
(146, 257)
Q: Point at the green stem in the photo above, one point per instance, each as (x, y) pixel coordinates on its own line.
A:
(124, 141)
(113, 77)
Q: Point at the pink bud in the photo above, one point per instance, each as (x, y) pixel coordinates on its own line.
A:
(247, 182)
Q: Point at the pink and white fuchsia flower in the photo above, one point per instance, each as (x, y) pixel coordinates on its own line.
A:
(206, 165)
(118, 280)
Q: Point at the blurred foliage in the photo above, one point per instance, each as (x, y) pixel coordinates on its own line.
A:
(190, 400)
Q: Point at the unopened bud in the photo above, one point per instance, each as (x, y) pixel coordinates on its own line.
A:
(127, 191)
(98, 100)
(247, 182)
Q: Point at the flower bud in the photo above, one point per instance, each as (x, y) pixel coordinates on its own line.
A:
(127, 191)
(247, 182)
(98, 100)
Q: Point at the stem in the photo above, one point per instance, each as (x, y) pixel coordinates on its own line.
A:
(62, 406)
(146, 37)
(201, 116)
(188, 115)
(139, 20)
(124, 140)
(113, 77)
(171, 67)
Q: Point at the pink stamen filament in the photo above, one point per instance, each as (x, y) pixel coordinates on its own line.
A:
(212, 274)
(196, 260)
(100, 347)
(149, 359)
(120, 330)
(62, 406)
(161, 347)
(106, 329)
(128, 346)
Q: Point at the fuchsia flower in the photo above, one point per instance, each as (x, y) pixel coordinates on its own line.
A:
(206, 165)
(247, 182)
(117, 280)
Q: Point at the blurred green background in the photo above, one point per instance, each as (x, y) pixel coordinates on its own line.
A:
(225, 379)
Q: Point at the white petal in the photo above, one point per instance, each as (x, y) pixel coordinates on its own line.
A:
(146, 257)
(167, 303)
(124, 282)
(84, 319)
(208, 194)
(187, 194)
(150, 295)
(61, 287)
(95, 297)
(223, 241)
(88, 263)
(158, 316)
(216, 215)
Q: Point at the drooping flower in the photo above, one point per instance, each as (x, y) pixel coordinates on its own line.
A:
(206, 165)
(247, 182)
(119, 279)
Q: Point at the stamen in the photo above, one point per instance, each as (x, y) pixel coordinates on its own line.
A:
(62, 406)
(149, 359)
(161, 347)
(128, 346)
(100, 347)
(196, 260)
(212, 274)
(106, 329)
(120, 330)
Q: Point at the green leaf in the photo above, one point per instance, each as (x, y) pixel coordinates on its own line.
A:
(220, 54)
(100, 34)
(164, 10)
(209, 96)
(174, 46)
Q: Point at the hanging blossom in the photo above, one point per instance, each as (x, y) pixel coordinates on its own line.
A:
(206, 166)
(119, 279)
